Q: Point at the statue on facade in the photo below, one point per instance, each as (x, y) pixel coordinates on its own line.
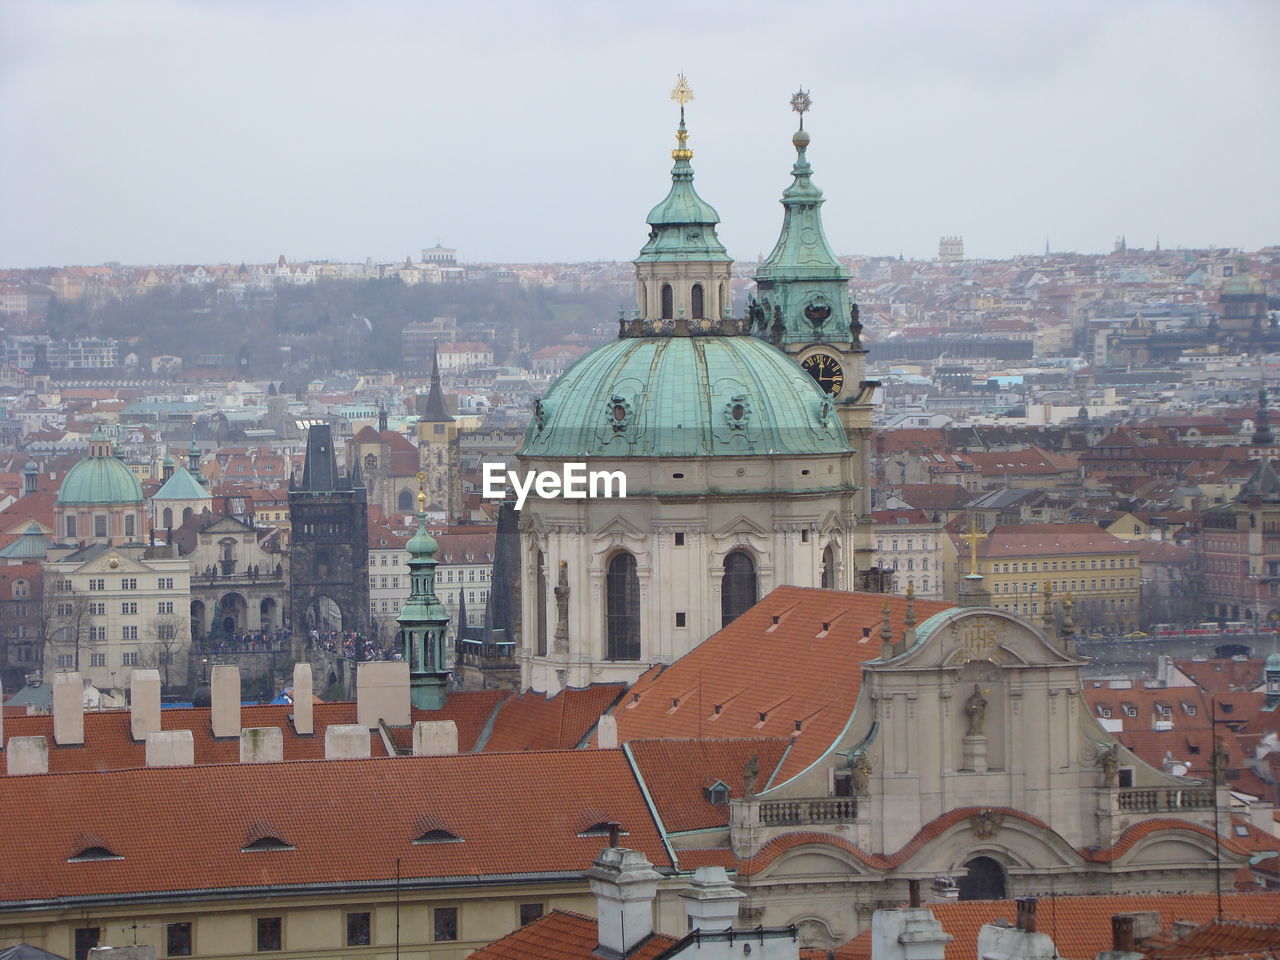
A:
(862, 775)
(750, 774)
(561, 635)
(855, 326)
(1109, 761)
(778, 329)
(975, 708)
(755, 315)
(1219, 760)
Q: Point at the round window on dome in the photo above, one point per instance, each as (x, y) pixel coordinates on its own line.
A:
(619, 412)
(739, 411)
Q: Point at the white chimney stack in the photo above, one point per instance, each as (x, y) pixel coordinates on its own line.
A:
(144, 703)
(225, 690)
(607, 732)
(711, 902)
(171, 748)
(302, 705)
(347, 741)
(435, 738)
(68, 709)
(382, 693)
(625, 885)
(27, 755)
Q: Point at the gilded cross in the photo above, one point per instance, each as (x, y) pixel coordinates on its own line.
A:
(973, 536)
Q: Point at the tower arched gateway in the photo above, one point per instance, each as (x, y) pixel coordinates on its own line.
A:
(738, 471)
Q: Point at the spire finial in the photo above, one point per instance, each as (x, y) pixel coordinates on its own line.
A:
(911, 604)
(422, 492)
(682, 94)
(800, 103)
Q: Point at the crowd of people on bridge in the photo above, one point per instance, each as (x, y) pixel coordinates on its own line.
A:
(349, 643)
(260, 641)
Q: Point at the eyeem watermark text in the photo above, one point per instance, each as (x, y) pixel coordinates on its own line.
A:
(573, 483)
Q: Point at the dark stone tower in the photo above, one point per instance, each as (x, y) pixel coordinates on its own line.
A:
(329, 562)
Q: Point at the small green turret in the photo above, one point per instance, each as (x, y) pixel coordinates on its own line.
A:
(423, 618)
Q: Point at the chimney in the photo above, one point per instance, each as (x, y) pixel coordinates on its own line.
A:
(144, 703)
(171, 748)
(625, 885)
(1026, 913)
(908, 933)
(225, 690)
(261, 745)
(27, 755)
(139, 951)
(711, 902)
(302, 703)
(347, 741)
(1122, 939)
(382, 693)
(435, 738)
(607, 733)
(68, 709)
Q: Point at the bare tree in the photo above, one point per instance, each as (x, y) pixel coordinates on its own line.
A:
(167, 638)
(65, 615)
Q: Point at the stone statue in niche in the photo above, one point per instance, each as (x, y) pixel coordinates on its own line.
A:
(1109, 761)
(861, 775)
(561, 635)
(975, 708)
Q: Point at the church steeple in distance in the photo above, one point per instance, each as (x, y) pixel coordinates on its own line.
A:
(423, 618)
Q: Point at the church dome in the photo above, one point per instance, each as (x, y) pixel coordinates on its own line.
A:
(684, 396)
(100, 478)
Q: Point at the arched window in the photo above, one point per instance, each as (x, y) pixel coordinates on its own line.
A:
(541, 596)
(983, 881)
(128, 524)
(724, 299)
(100, 525)
(697, 302)
(404, 503)
(668, 302)
(737, 587)
(622, 609)
(644, 300)
(71, 527)
(829, 567)
(168, 516)
(186, 514)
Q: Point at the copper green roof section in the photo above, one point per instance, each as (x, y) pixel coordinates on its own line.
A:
(182, 486)
(802, 251)
(100, 478)
(682, 396)
(30, 545)
(683, 224)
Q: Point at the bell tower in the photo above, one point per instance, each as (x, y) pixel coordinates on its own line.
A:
(423, 619)
(803, 306)
(683, 269)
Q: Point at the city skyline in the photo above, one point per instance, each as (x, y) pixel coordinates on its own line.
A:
(170, 133)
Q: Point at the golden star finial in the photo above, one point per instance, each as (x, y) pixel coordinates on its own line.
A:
(801, 102)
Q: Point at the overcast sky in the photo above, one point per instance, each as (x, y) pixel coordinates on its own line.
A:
(164, 131)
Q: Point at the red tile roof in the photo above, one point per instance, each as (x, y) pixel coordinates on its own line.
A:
(1079, 926)
(347, 821)
(677, 774)
(1040, 539)
(724, 688)
(1225, 938)
(562, 935)
(532, 721)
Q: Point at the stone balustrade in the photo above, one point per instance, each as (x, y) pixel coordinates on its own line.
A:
(779, 813)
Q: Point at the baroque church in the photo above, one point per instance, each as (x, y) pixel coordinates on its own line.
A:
(744, 440)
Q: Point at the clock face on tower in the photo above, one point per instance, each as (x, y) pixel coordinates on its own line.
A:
(826, 372)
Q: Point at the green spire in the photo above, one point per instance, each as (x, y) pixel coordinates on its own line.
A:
(423, 618)
(684, 225)
(802, 276)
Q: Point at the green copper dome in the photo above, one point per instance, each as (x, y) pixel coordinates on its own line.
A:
(684, 396)
(100, 477)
